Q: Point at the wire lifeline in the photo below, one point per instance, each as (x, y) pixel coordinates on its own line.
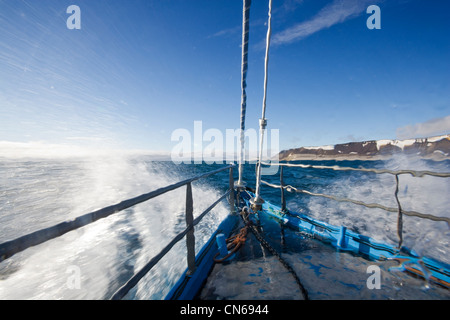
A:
(290, 188)
(263, 121)
(244, 69)
(12, 247)
(414, 173)
(396, 173)
(132, 282)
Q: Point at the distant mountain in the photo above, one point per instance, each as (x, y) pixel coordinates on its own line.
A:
(433, 147)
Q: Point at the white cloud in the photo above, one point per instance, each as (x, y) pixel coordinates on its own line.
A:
(336, 12)
(95, 139)
(429, 128)
(38, 149)
(291, 5)
(227, 32)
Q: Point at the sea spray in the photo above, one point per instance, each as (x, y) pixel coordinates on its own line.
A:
(41, 193)
(426, 194)
(36, 194)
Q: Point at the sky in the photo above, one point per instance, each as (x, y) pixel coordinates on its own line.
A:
(138, 70)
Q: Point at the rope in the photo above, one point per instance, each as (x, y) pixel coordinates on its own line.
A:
(267, 245)
(290, 188)
(234, 243)
(414, 173)
(245, 40)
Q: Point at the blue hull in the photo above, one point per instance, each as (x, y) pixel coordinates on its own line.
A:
(188, 286)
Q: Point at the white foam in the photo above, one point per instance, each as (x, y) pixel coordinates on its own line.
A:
(426, 194)
(111, 247)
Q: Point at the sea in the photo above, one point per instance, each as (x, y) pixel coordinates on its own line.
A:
(91, 263)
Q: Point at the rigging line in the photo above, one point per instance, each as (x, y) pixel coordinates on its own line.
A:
(266, 60)
(368, 205)
(263, 122)
(244, 69)
(414, 173)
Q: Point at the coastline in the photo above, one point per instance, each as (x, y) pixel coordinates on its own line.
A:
(350, 157)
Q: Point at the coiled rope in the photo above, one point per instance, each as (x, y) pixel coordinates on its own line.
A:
(234, 243)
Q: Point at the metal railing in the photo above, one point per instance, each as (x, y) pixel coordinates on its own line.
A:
(399, 209)
(10, 248)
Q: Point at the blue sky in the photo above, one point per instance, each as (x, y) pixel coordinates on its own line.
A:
(138, 70)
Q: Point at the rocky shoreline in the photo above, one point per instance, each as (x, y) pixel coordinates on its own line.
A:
(433, 148)
(355, 157)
